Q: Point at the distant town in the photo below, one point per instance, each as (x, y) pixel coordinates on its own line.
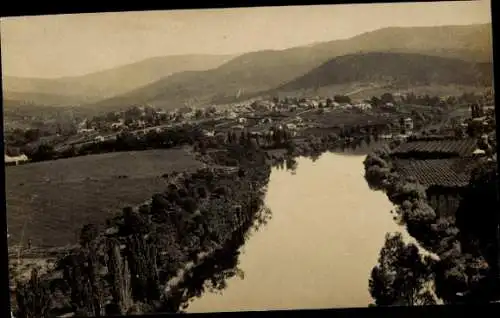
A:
(395, 118)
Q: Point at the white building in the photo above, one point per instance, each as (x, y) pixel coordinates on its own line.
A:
(209, 133)
(364, 106)
(15, 160)
(86, 131)
(117, 125)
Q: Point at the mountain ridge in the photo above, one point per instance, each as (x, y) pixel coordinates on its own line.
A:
(112, 81)
(261, 71)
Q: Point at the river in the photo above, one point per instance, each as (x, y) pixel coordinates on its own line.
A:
(317, 251)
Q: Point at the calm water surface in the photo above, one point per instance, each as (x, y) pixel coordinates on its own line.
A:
(318, 249)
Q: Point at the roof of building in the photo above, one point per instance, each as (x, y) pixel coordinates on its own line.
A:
(15, 158)
(458, 147)
(438, 172)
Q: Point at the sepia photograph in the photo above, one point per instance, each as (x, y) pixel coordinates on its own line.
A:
(250, 159)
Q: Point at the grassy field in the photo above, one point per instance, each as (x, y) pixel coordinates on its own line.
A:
(50, 201)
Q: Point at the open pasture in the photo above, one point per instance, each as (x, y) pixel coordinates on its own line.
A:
(50, 201)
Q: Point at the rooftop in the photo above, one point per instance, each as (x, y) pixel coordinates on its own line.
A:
(457, 147)
(438, 172)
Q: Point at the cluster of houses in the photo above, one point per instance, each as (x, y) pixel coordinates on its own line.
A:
(291, 105)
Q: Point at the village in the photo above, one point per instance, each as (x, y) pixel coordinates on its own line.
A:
(258, 117)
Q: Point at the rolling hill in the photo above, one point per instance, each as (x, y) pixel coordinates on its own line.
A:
(257, 72)
(397, 69)
(104, 84)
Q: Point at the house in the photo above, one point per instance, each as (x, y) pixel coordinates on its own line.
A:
(479, 153)
(313, 104)
(266, 120)
(99, 139)
(86, 131)
(231, 115)
(14, 161)
(242, 120)
(209, 133)
(298, 121)
(117, 125)
(408, 124)
(291, 126)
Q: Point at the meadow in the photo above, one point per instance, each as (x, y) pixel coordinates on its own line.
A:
(48, 202)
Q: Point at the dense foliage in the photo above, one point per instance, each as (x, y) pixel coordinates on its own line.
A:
(465, 248)
(401, 276)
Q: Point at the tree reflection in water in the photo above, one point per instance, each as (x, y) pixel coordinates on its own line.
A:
(215, 270)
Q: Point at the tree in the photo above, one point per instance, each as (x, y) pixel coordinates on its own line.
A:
(43, 152)
(386, 98)
(477, 215)
(33, 298)
(142, 254)
(342, 99)
(119, 278)
(375, 101)
(401, 276)
(88, 233)
(199, 113)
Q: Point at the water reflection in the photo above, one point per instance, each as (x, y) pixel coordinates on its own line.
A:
(316, 252)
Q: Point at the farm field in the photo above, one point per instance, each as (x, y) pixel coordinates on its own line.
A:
(50, 201)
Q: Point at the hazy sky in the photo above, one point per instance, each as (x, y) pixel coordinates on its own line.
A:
(65, 45)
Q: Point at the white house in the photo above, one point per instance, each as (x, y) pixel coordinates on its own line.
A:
(479, 152)
(266, 120)
(209, 133)
(15, 160)
(86, 131)
(117, 125)
(231, 115)
(99, 138)
(242, 120)
(364, 106)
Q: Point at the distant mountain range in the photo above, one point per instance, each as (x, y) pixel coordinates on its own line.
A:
(459, 55)
(107, 83)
